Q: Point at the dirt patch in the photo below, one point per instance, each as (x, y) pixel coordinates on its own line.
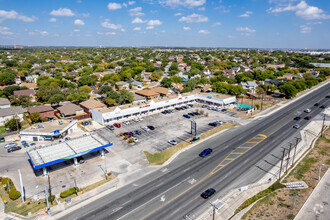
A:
(279, 204)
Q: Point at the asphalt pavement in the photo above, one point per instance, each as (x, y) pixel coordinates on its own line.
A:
(174, 191)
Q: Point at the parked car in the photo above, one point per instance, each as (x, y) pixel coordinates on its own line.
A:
(135, 139)
(296, 126)
(151, 127)
(12, 149)
(307, 110)
(138, 132)
(191, 114)
(146, 129)
(32, 144)
(206, 152)
(173, 142)
(128, 134)
(224, 110)
(66, 138)
(136, 120)
(213, 124)
(219, 122)
(323, 106)
(26, 145)
(9, 145)
(297, 118)
(204, 106)
(186, 116)
(208, 193)
(117, 125)
(308, 117)
(81, 160)
(140, 119)
(111, 127)
(191, 105)
(126, 122)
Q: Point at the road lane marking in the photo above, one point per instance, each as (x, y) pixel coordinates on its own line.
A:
(262, 135)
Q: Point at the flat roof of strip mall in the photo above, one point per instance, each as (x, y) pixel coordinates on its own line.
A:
(55, 153)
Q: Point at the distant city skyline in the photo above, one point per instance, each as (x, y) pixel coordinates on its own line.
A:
(168, 23)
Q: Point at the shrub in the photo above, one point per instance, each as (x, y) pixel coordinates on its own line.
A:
(257, 106)
(53, 198)
(130, 140)
(69, 192)
(14, 194)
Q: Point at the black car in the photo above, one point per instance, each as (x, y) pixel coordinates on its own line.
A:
(151, 127)
(191, 114)
(196, 113)
(224, 110)
(328, 96)
(322, 106)
(164, 112)
(178, 108)
(191, 105)
(297, 118)
(138, 132)
(13, 149)
(208, 193)
(317, 104)
(213, 124)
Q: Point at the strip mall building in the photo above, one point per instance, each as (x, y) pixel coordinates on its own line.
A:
(107, 115)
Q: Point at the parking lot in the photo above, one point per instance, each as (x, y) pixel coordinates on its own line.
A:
(121, 159)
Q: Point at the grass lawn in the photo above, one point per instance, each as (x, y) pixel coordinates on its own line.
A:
(161, 157)
(2, 129)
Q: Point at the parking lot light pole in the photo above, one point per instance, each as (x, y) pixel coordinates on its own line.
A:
(320, 170)
(22, 187)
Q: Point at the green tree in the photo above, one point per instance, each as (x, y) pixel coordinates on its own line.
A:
(12, 124)
(56, 99)
(126, 96)
(154, 77)
(166, 82)
(35, 117)
(110, 102)
(86, 80)
(105, 89)
(85, 89)
(288, 90)
(9, 90)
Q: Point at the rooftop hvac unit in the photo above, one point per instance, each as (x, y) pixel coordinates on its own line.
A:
(60, 122)
(40, 126)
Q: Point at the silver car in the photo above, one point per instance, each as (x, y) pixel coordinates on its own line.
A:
(307, 110)
(9, 145)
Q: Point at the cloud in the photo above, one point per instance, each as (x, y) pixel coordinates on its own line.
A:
(137, 29)
(136, 12)
(76, 30)
(177, 14)
(245, 30)
(194, 18)
(204, 32)
(131, 2)
(114, 6)
(184, 3)
(79, 22)
(52, 20)
(85, 15)
(125, 5)
(216, 24)
(62, 12)
(138, 21)
(246, 14)
(6, 15)
(162, 31)
(304, 29)
(201, 9)
(154, 22)
(186, 28)
(302, 10)
(5, 31)
(108, 25)
(110, 33)
(43, 33)
(150, 27)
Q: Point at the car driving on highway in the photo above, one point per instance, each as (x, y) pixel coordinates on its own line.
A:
(296, 126)
(208, 193)
(307, 110)
(206, 152)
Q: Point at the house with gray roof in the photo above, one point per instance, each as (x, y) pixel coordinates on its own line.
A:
(249, 85)
(70, 109)
(8, 113)
(4, 103)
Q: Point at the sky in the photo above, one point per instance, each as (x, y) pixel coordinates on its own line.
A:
(170, 23)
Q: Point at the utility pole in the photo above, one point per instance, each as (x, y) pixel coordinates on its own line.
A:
(50, 190)
(75, 187)
(279, 177)
(320, 171)
(46, 195)
(22, 187)
(323, 125)
(105, 167)
(295, 149)
(262, 100)
(288, 159)
(213, 211)
(16, 123)
(294, 199)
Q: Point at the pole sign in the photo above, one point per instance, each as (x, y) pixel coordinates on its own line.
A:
(193, 127)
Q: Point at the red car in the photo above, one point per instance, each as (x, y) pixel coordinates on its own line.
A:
(117, 125)
(308, 117)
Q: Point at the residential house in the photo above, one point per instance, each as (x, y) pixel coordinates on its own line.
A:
(250, 86)
(8, 113)
(237, 59)
(177, 87)
(26, 92)
(171, 58)
(135, 84)
(314, 73)
(158, 64)
(236, 69)
(4, 103)
(147, 93)
(122, 85)
(163, 91)
(271, 81)
(229, 74)
(45, 111)
(70, 109)
(31, 79)
(184, 78)
(245, 68)
(90, 104)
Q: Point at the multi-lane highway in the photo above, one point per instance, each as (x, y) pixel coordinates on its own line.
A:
(174, 191)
